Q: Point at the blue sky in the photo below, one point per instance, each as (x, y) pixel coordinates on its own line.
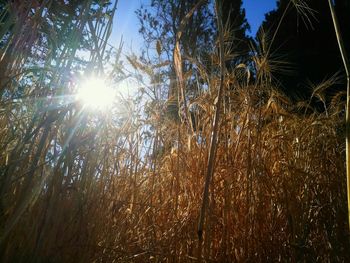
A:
(126, 23)
(255, 12)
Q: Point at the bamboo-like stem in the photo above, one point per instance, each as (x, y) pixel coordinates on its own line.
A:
(214, 135)
(347, 70)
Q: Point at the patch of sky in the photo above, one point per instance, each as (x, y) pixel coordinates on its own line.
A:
(255, 11)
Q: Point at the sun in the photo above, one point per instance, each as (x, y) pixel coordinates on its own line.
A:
(96, 94)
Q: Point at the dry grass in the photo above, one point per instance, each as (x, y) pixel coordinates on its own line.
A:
(130, 190)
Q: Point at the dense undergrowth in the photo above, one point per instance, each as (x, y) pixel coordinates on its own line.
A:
(126, 186)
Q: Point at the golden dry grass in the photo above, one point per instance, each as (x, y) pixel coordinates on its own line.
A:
(131, 190)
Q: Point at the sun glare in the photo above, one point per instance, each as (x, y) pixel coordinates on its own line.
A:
(95, 93)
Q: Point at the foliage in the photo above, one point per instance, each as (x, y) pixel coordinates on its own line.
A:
(306, 40)
(233, 18)
(161, 20)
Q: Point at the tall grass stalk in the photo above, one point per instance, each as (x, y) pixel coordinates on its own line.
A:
(347, 118)
(214, 130)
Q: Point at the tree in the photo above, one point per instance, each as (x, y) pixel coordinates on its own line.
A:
(233, 17)
(161, 20)
(159, 24)
(306, 43)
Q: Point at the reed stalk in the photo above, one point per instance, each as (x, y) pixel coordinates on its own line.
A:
(347, 111)
(214, 130)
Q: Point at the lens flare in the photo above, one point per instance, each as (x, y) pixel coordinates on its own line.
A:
(94, 93)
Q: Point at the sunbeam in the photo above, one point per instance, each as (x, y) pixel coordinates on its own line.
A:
(96, 94)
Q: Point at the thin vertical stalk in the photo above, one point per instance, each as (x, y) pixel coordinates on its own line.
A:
(215, 129)
(347, 70)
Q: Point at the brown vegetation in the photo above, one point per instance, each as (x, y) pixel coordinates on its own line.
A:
(128, 188)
